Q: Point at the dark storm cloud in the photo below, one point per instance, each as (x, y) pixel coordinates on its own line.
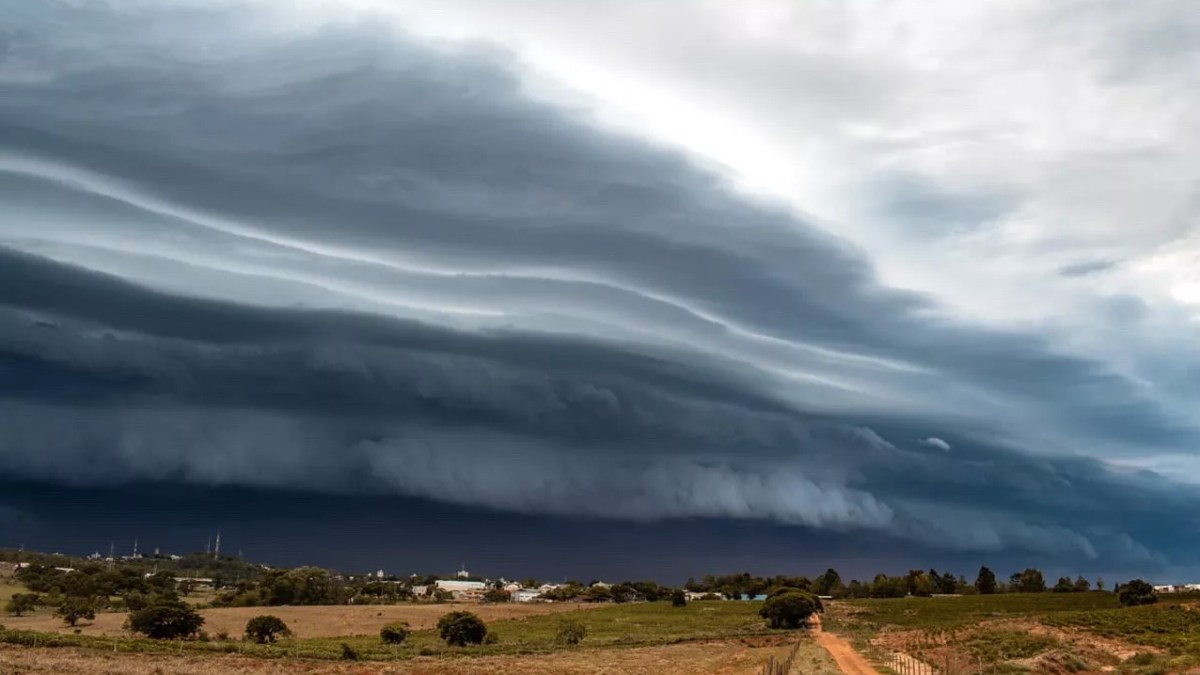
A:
(1088, 268)
(349, 261)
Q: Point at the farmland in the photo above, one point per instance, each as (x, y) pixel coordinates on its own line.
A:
(305, 622)
(1040, 632)
(716, 657)
(645, 637)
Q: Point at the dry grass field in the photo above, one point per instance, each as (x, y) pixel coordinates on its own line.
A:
(732, 657)
(308, 622)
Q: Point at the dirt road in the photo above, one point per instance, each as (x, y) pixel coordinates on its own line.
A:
(848, 661)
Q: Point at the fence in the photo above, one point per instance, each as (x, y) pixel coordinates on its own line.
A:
(776, 666)
(903, 664)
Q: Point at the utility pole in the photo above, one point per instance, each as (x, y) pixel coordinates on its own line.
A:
(135, 543)
(217, 550)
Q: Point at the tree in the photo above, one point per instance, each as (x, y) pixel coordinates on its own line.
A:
(789, 610)
(570, 632)
(1136, 592)
(74, 609)
(21, 603)
(1064, 585)
(135, 601)
(165, 619)
(888, 587)
(678, 599)
(949, 584)
(459, 629)
(394, 633)
(1030, 580)
(1082, 585)
(495, 595)
(917, 583)
(1099, 583)
(266, 628)
(530, 583)
(829, 583)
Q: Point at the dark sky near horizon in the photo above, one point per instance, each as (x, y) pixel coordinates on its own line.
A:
(364, 295)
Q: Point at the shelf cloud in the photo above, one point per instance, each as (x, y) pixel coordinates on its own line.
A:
(239, 247)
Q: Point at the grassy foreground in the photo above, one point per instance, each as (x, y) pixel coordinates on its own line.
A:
(634, 625)
(1038, 632)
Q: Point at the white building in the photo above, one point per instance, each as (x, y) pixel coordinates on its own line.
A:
(463, 590)
(525, 594)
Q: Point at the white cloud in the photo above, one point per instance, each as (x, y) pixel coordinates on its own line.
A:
(935, 442)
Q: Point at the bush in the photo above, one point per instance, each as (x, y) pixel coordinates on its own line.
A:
(462, 628)
(1136, 592)
(678, 599)
(348, 653)
(570, 632)
(789, 610)
(394, 633)
(496, 595)
(266, 629)
(491, 638)
(74, 609)
(166, 619)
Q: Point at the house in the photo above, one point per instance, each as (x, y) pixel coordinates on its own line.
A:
(525, 594)
(1177, 588)
(463, 590)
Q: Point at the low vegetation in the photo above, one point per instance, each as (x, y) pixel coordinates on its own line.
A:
(394, 633)
(570, 632)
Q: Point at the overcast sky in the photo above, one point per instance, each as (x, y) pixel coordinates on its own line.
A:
(895, 276)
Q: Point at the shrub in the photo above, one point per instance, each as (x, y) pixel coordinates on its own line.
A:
(570, 632)
(496, 595)
(491, 638)
(461, 628)
(394, 633)
(1136, 592)
(789, 610)
(74, 609)
(266, 628)
(348, 653)
(166, 619)
(223, 636)
(678, 599)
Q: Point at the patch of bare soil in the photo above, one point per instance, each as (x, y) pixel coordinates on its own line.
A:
(1076, 651)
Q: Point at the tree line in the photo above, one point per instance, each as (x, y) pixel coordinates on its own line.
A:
(919, 583)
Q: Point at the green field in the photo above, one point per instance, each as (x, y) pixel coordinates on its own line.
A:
(1168, 626)
(633, 625)
(954, 612)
